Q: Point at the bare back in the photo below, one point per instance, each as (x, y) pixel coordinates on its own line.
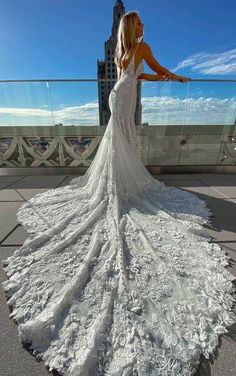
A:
(137, 58)
(144, 52)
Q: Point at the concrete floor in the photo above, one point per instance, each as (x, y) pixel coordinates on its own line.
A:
(219, 192)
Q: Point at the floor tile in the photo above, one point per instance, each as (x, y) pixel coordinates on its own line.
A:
(225, 187)
(214, 176)
(174, 176)
(67, 180)
(223, 220)
(17, 237)
(6, 180)
(29, 193)
(10, 195)
(35, 181)
(8, 219)
(195, 186)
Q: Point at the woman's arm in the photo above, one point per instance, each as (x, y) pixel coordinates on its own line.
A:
(153, 63)
(151, 77)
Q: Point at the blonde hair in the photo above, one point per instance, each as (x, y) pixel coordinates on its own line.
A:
(126, 38)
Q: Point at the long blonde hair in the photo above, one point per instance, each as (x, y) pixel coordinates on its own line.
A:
(126, 38)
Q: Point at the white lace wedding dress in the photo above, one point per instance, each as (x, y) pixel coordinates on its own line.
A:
(118, 276)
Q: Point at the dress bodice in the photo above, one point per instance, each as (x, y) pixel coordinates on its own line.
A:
(122, 101)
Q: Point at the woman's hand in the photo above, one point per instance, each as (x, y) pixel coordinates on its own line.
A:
(162, 77)
(183, 79)
(172, 77)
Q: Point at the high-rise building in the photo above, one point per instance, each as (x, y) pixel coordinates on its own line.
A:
(106, 69)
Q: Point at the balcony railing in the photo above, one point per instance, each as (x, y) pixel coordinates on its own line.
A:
(57, 122)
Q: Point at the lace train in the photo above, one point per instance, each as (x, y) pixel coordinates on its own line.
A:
(129, 287)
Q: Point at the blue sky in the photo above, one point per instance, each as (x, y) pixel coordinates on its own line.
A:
(64, 39)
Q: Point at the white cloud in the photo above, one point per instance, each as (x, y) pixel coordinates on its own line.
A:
(24, 111)
(86, 114)
(222, 63)
(199, 111)
(155, 110)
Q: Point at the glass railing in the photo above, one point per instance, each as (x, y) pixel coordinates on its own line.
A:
(189, 123)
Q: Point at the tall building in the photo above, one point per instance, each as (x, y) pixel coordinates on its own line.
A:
(106, 69)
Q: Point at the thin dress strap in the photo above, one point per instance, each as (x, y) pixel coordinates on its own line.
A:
(135, 70)
(136, 48)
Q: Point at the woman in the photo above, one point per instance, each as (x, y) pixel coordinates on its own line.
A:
(118, 276)
(129, 34)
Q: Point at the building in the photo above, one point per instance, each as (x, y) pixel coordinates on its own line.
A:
(106, 69)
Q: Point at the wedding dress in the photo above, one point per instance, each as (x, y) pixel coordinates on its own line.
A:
(118, 276)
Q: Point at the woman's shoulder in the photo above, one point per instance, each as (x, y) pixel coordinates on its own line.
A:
(144, 45)
(145, 49)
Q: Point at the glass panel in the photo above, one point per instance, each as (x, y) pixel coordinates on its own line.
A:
(25, 104)
(75, 103)
(61, 124)
(192, 103)
(211, 103)
(163, 103)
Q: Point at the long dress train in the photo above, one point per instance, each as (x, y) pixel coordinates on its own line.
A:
(118, 276)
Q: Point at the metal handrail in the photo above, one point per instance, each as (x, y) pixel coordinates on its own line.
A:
(107, 79)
